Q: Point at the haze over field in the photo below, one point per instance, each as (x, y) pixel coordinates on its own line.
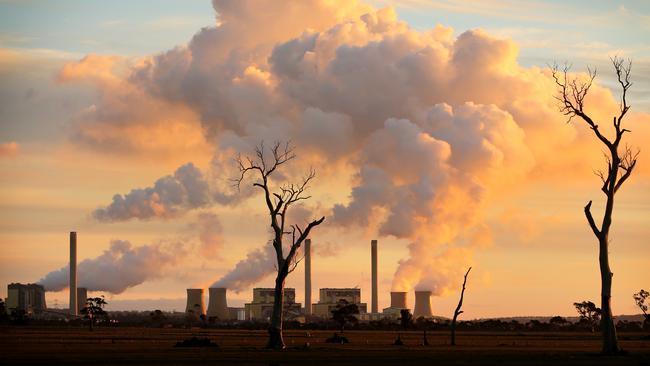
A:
(445, 144)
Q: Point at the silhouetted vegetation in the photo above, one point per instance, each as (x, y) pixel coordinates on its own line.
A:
(345, 313)
(458, 310)
(196, 342)
(406, 319)
(94, 310)
(640, 300)
(620, 164)
(4, 317)
(589, 313)
(278, 204)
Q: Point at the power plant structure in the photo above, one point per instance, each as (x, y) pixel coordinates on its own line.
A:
(73, 306)
(261, 308)
(422, 304)
(375, 288)
(397, 304)
(217, 304)
(330, 297)
(82, 297)
(307, 277)
(30, 298)
(195, 302)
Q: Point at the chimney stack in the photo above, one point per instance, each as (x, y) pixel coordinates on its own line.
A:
(375, 296)
(398, 300)
(422, 304)
(82, 296)
(74, 308)
(195, 301)
(217, 304)
(307, 276)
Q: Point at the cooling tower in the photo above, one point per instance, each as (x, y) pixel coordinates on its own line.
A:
(82, 296)
(307, 276)
(398, 300)
(217, 303)
(422, 304)
(373, 259)
(195, 301)
(74, 308)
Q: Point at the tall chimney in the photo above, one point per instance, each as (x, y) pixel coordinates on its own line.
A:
(307, 276)
(375, 296)
(398, 300)
(422, 304)
(217, 304)
(82, 296)
(74, 309)
(195, 301)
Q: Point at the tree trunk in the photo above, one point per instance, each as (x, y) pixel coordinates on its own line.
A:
(458, 310)
(275, 328)
(453, 332)
(607, 327)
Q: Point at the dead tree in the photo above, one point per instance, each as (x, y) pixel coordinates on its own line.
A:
(457, 312)
(278, 203)
(620, 164)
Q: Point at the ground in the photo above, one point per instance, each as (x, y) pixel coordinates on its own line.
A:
(154, 346)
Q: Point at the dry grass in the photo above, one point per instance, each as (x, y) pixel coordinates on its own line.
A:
(113, 346)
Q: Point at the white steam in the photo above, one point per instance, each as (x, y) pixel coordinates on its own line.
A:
(120, 267)
(432, 125)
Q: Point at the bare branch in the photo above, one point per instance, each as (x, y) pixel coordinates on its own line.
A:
(628, 162)
(590, 219)
(572, 94)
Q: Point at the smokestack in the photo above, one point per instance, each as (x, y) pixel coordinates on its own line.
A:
(307, 276)
(375, 296)
(422, 304)
(74, 308)
(398, 300)
(82, 296)
(195, 301)
(217, 304)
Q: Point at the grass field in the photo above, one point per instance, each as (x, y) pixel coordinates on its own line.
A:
(153, 346)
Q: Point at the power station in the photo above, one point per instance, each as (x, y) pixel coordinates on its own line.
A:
(31, 297)
(261, 305)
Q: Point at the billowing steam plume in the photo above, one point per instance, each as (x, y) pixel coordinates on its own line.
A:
(118, 268)
(187, 188)
(258, 264)
(430, 125)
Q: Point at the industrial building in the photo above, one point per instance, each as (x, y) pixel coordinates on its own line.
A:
(29, 297)
(82, 297)
(261, 307)
(218, 309)
(422, 305)
(330, 297)
(397, 304)
(195, 302)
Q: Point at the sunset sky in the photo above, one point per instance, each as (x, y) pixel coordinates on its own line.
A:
(432, 126)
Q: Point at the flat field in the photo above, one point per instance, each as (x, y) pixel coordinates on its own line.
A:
(153, 346)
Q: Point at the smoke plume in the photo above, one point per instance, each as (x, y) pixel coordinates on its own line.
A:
(258, 264)
(429, 125)
(187, 188)
(120, 267)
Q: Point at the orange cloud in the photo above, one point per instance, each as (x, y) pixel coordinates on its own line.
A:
(432, 128)
(9, 149)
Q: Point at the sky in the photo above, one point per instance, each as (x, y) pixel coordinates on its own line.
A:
(432, 126)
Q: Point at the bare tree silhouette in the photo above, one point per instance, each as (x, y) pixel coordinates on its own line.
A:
(620, 164)
(277, 204)
(457, 312)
